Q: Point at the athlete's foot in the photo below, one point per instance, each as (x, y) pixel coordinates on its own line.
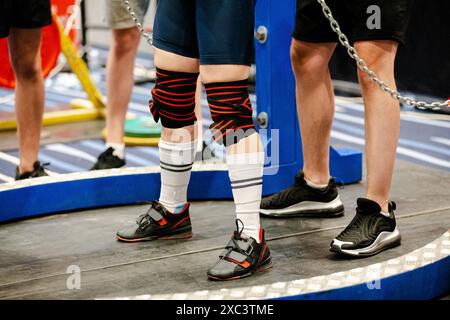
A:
(38, 171)
(370, 231)
(107, 160)
(158, 223)
(242, 257)
(302, 200)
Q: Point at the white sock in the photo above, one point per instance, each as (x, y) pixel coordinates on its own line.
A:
(315, 185)
(386, 214)
(246, 172)
(176, 161)
(119, 149)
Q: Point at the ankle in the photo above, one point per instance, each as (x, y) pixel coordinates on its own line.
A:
(26, 167)
(383, 202)
(317, 179)
(119, 149)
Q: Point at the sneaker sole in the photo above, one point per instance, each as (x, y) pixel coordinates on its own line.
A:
(264, 266)
(184, 233)
(384, 241)
(308, 209)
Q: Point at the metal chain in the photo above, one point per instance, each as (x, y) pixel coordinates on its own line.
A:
(351, 51)
(363, 66)
(145, 34)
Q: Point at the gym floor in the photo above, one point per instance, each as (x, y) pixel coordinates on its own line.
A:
(36, 253)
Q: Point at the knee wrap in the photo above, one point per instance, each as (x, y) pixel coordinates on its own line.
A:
(231, 111)
(173, 98)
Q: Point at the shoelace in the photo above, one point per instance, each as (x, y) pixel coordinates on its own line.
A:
(40, 169)
(43, 166)
(237, 235)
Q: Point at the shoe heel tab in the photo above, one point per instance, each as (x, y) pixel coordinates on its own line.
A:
(338, 183)
(392, 206)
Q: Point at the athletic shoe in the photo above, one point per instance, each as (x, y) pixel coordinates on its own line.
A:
(159, 223)
(38, 171)
(302, 200)
(242, 257)
(107, 160)
(370, 231)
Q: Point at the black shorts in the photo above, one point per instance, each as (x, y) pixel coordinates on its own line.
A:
(352, 16)
(24, 14)
(215, 31)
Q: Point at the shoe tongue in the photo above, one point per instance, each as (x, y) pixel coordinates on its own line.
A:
(241, 236)
(157, 206)
(368, 206)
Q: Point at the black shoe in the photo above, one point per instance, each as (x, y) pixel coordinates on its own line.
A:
(301, 200)
(38, 171)
(158, 223)
(369, 233)
(107, 160)
(241, 258)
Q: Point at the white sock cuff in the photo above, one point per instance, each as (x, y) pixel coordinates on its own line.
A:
(246, 158)
(177, 153)
(315, 185)
(386, 214)
(119, 149)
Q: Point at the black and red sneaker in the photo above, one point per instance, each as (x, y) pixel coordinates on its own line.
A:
(242, 257)
(158, 223)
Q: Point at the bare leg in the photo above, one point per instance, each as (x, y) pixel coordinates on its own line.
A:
(223, 73)
(120, 81)
(382, 118)
(24, 47)
(315, 106)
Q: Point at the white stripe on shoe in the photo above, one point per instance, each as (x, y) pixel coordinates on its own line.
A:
(308, 207)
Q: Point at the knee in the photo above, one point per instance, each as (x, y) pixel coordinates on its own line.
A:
(380, 59)
(125, 42)
(365, 81)
(306, 60)
(26, 71)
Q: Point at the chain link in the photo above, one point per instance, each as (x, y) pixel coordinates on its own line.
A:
(363, 66)
(145, 34)
(351, 52)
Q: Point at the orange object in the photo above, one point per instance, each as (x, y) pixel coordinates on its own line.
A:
(50, 50)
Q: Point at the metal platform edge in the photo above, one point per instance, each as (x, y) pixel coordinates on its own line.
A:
(421, 274)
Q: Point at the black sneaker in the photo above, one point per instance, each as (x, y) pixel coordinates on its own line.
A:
(369, 233)
(38, 171)
(241, 258)
(107, 160)
(301, 200)
(158, 223)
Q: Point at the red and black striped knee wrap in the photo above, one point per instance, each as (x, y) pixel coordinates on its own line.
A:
(231, 111)
(173, 98)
